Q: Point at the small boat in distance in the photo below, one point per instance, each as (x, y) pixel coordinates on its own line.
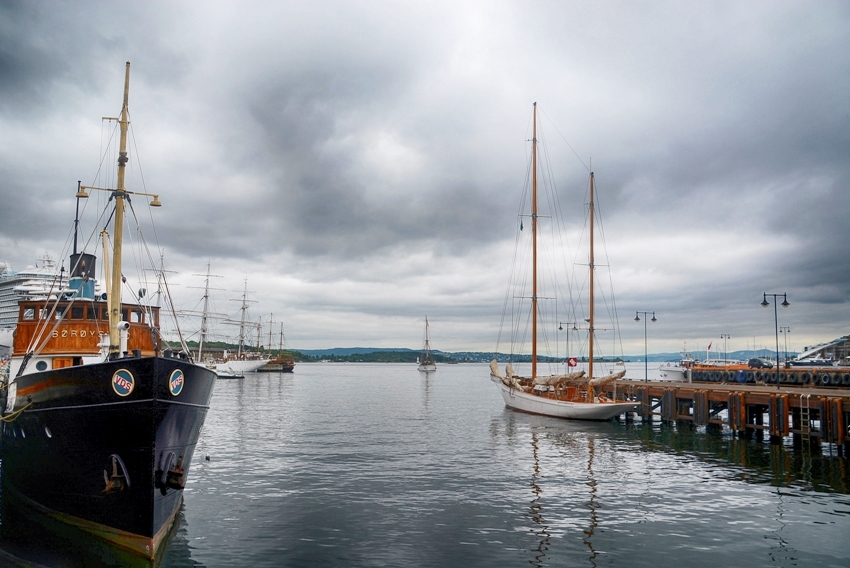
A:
(571, 395)
(677, 371)
(426, 362)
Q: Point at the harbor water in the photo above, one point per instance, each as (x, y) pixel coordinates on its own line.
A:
(381, 465)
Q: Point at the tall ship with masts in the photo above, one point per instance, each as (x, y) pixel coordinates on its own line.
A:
(564, 395)
(101, 417)
(283, 362)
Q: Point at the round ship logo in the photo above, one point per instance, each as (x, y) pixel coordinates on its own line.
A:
(123, 382)
(175, 383)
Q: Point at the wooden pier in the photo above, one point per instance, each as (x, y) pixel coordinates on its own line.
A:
(810, 414)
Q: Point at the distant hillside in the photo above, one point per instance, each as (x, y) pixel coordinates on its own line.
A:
(405, 355)
(345, 351)
(381, 354)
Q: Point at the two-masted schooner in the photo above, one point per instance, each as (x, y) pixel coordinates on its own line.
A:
(571, 395)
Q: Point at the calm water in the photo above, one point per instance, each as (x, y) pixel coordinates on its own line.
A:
(379, 465)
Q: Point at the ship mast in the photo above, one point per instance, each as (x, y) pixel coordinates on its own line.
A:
(427, 343)
(205, 314)
(590, 393)
(534, 247)
(114, 297)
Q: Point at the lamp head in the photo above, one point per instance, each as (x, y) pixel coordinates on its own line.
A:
(653, 317)
(765, 303)
(637, 317)
(560, 327)
(156, 202)
(785, 303)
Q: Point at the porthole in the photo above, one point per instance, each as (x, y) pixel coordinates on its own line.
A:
(48, 432)
(41, 365)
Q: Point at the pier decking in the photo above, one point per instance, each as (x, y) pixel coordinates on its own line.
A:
(815, 415)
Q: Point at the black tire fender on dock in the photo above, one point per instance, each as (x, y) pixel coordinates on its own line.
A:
(805, 378)
(845, 380)
(824, 380)
(835, 379)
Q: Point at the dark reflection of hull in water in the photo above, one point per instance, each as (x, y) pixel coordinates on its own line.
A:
(754, 461)
(29, 538)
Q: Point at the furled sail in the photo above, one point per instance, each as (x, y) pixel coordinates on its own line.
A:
(555, 380)
(598, 381)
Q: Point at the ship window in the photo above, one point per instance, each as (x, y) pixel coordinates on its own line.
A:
(125, 315)
(29, 313)
(48, 432)
(42, 313)
(60, 312)
(91, 313)
(104, 314)
(76, 312)
(135, 316)
(41, 365)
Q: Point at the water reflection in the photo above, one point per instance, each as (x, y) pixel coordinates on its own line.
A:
(592, 504)
(28, 538)
(781, 465)
(536, 510)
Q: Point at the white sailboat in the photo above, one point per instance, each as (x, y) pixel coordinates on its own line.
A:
(571, 395)
(426, 362)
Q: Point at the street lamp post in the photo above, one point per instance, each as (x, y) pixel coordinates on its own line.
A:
(785, 330)
(785, 304)
(724, 337)
(561, 328)
(645, 352)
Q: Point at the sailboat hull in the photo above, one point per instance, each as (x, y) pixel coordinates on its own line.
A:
(238, 367)
(59, 454)
(535, 404)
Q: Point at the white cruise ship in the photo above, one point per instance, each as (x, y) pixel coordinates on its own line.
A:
(34, 282)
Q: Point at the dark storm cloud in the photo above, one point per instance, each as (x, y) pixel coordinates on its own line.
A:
(374, 153)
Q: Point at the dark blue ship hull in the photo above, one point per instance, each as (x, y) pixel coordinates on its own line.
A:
(107, 447)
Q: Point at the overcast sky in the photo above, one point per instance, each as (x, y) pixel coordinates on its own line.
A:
(361, 164)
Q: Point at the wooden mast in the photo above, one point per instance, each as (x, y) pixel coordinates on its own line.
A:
(534, 247)
(590, 393)
(114, 297)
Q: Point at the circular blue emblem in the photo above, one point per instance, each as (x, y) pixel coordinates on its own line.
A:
(175, 382)
(123, 382)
